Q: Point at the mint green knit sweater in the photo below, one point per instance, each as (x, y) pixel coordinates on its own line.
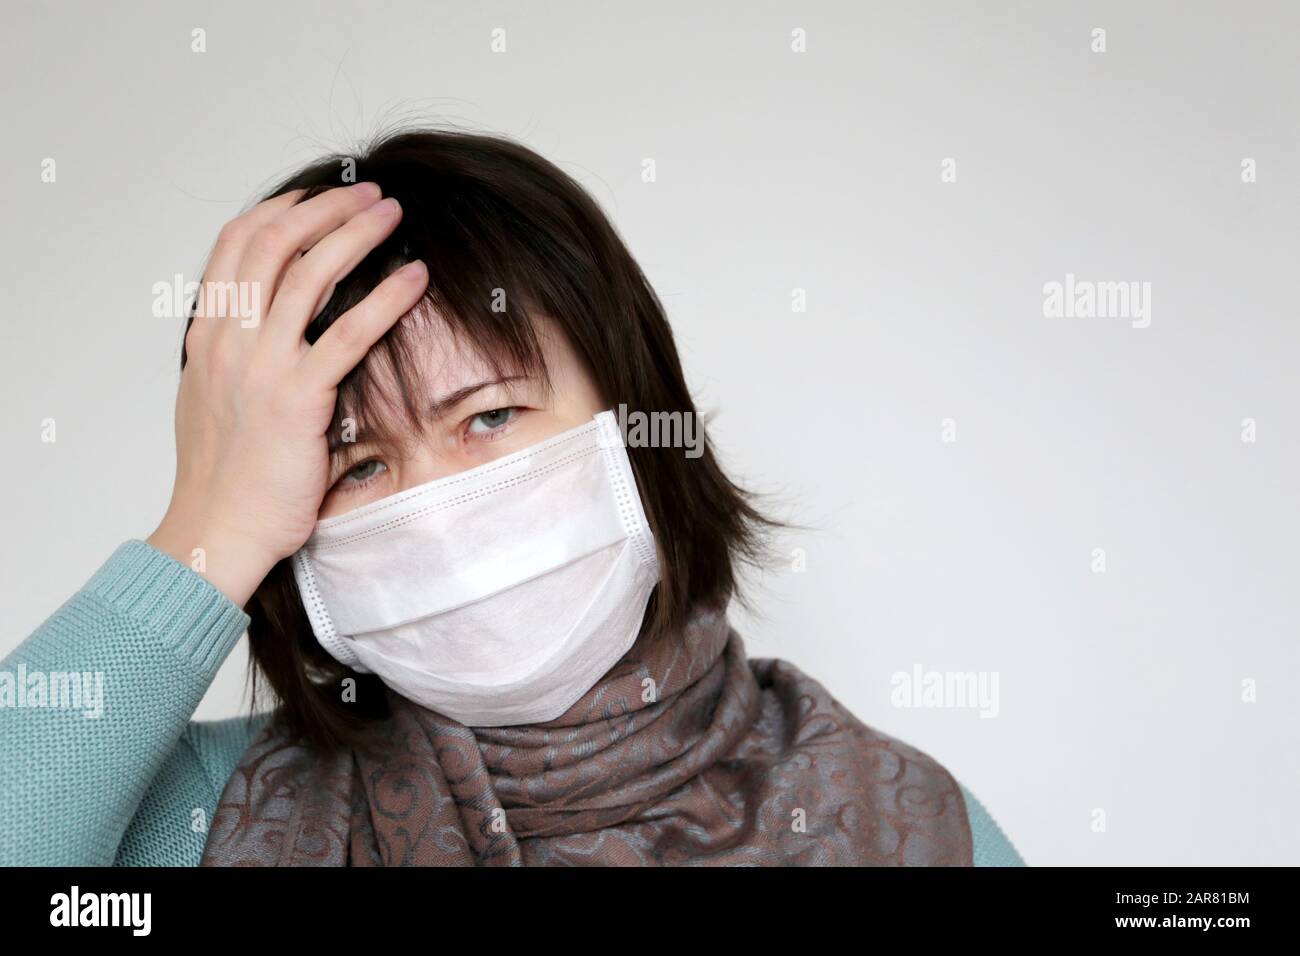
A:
(138, 784)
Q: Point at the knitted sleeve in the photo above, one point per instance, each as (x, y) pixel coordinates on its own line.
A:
(96, 702)
(992, 848)
(171, 825)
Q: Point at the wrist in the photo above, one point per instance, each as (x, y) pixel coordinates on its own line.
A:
(232, 562)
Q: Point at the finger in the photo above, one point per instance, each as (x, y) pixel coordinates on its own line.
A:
(222, 262)
(345, 343)
(309, 282)
(235, 235)
(272, 247)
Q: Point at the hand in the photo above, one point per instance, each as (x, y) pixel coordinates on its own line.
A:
(255, 400)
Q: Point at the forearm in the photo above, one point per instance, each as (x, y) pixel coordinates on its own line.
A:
(140, 644)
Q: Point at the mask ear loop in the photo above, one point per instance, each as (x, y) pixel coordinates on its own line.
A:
(321, 623)
(626, 496)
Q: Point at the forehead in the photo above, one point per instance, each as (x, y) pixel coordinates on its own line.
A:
(430, 349)
(426, 359)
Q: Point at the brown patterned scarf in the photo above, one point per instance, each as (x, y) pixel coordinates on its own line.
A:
(732, 762)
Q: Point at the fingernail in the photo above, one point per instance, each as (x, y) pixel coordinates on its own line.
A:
(369, 190)
(412, 270)
(385, 207)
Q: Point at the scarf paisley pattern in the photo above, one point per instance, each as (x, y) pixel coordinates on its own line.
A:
(685, 753)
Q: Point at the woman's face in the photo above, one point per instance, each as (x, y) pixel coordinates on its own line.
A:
(473, 417)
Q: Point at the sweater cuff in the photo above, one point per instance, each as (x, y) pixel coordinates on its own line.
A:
(171, 600)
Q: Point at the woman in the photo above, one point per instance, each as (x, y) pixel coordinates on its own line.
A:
(494, 624)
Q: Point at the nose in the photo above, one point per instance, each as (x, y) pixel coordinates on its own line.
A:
(422, 464)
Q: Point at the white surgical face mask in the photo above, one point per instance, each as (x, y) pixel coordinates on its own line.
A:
(496, 596)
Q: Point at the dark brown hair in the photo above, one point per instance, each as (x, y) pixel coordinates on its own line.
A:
(494, 222)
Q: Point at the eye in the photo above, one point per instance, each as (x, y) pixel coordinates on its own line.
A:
(485, 423)
(362, 473)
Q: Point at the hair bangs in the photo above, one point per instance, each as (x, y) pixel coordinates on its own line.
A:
(476, 296)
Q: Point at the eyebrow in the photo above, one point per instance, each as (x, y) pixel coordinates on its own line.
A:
(445, 404)
(436, 409)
